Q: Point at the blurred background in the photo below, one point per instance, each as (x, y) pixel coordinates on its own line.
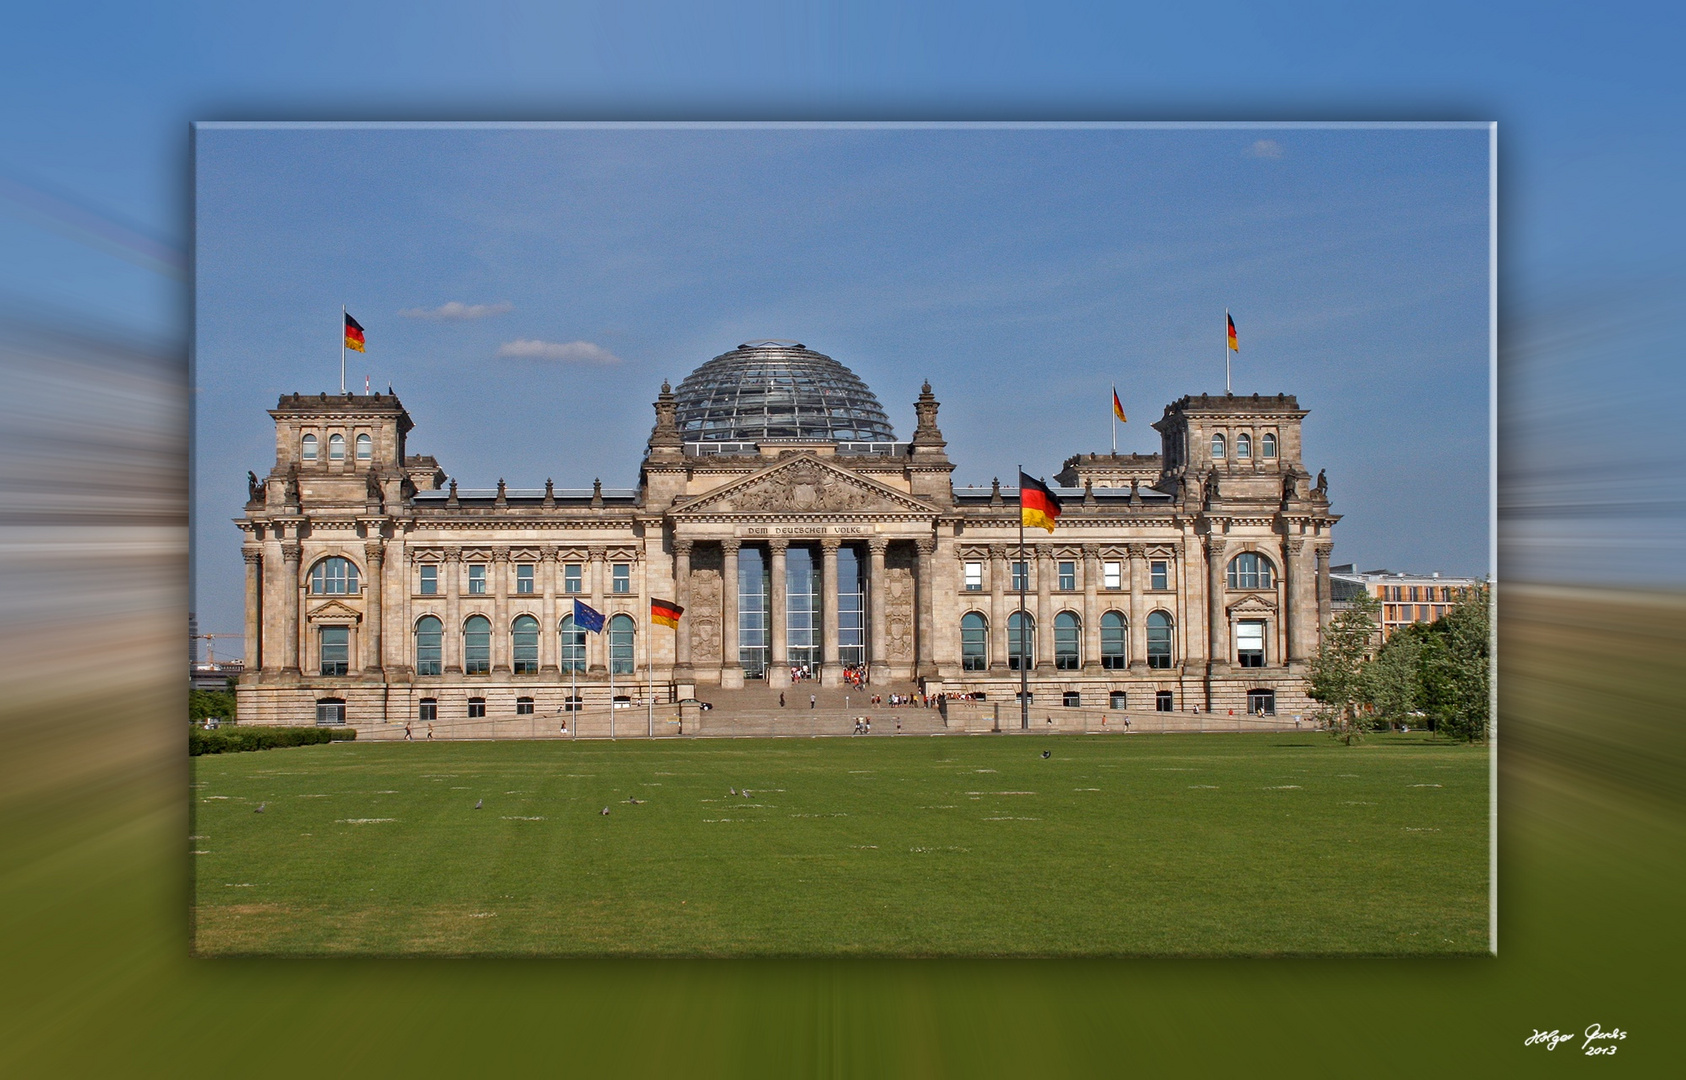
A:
(95, 309)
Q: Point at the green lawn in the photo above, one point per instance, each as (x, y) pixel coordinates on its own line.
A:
(914, 846)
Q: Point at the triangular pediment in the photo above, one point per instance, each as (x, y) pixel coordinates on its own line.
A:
(333, 610)
(1255, 604)
(806, 484)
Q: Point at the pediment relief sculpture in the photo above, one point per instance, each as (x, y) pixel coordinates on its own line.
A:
(804, 486)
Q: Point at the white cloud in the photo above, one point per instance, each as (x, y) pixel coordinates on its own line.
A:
(572, 352)
(456, 310)
(1265, 148)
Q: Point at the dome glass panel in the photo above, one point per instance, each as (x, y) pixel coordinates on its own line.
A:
(769, 390)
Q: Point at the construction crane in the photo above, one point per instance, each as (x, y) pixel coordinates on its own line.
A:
(211, 646)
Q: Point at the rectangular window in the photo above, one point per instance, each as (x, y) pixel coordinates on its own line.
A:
(1249, 642)
(336, 649)
(429, 580)
(331, 711)
(1019, 577)
(1164, 701)
(1114, 574)
(523, 706)
(427, 709)
(621, 575)
(1415, 591)
(476, 708)
(524, 578)
(571, 578)
(571, 704)
(1117, 700)
(1159, 574)
(1422, 613)
(1072, 699)
(974, 577)
(1068, 576)
(1026, 699)
(477, 579)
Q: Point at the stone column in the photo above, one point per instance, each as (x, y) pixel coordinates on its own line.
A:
(254, 608)
(549, 639)
(500, 612)
(1217, 620)
(1044, 609)
(682, 596)
(778, 667)
(925, 597)
(1091, 608)
(290, 553)
(374, 611)
(831, 670)
(597, 645)
(1138, 608)
(998, 607)
(1291, 600)
(1323, 600)
(876, 584)
(453, 611)
(731, 668)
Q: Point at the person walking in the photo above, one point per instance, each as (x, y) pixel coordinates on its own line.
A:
(781, 699)
(813, 699)
(409, 736)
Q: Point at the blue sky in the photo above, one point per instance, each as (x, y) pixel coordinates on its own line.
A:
(98, 100)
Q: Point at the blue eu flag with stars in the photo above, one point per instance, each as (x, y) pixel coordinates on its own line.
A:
(587, 617)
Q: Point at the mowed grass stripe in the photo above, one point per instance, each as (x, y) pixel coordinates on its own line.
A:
(1192, 845)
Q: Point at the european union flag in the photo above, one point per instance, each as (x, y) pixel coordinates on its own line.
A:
(587, 617)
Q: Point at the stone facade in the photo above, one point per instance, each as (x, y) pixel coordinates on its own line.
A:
(376, 589)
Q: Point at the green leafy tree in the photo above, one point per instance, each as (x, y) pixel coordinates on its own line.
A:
(203, 703)
(1336, 676)
(1393, 679)
(1456, 668)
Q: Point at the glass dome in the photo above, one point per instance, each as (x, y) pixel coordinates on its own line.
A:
(766, 390)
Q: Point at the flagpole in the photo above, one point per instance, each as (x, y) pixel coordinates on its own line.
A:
(1227, 390)
(574, 686)
(609, 635)
(342, 348)
(1024, 578)
(649, 677)
(1113, 416)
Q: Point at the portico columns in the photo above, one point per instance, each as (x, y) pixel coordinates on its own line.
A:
(731, 668)
(925, 596)
(997, 607)
(831, 671)
(374, 614)
(254, 613)
(1138, 612)
(778, 668)
(876, 547)
(290, 553)
(1217, 619)
(1091, 616)
(682, 596)
(453, 611)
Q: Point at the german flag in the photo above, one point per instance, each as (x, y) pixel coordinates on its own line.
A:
(1118, 407)
(1233, 346)
(666, 613)
(1038, 505)
(353, 334)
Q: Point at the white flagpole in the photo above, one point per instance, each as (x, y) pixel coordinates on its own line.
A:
(1227, 390)
(649, 677)
(342, 348)
(609, 636)
(1112, 411)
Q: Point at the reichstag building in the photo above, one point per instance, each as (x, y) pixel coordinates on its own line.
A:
(776, 505)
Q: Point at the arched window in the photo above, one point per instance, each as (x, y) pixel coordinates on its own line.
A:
(526, 645)
(336, 447)
(307, 448)
(621, 633)
(974, 642)
(430, 646)
(1217, 447)
(1243, 447)
(1159, 628)
(333, 577)
(1249, 570)
(1021, 640)
(1267, 445)
(365, 448)
(1068, 632)
(477, 645)
(1114, 631)
(573, 645)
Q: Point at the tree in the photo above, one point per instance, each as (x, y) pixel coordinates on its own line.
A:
(1456, 667)
(204, 703)
(1393, 680)
(1336, 677)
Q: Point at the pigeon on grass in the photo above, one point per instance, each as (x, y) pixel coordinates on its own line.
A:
(478, 803)
(259, 810)
(1047, 753)
(604, 812)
